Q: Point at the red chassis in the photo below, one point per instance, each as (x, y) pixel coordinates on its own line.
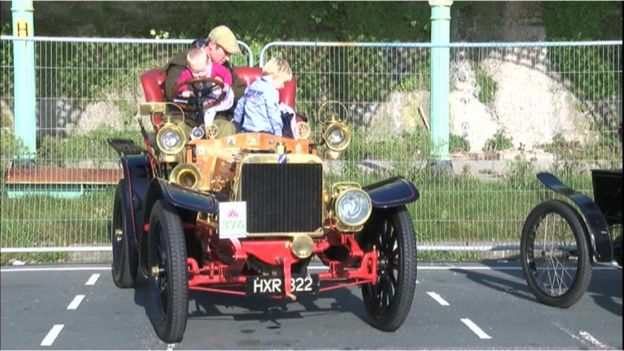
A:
(360, 268)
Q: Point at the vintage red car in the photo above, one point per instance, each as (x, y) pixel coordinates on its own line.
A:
(245, 214)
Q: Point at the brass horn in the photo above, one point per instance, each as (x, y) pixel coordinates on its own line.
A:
(186, 175)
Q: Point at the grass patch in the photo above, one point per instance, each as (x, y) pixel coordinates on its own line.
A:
(44, 221)
(90, 146)
(458, 143)
(607, 148)
(451, 210)
(445, 256)
(498, 142)
(486, 84)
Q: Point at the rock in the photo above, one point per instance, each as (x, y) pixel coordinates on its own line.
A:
(14, 262)
(53, 115)
(100, 114)
(471, 119)
(397, 116)
(376, 166)
(532, 107)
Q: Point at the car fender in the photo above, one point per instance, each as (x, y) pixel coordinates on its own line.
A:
(392, 192)
(597, 229)
(179, 197)
(137, 172)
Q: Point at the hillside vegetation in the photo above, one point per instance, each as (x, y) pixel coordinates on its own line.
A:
(335, 21)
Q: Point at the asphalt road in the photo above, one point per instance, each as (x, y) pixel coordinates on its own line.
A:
(465, 306)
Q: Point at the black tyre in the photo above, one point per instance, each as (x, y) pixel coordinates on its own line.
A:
(554, 252)
(389, 301)
(168, 282)
(125, 257)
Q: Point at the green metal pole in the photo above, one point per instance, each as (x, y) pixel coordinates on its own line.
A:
(24, 78)
(440, 35)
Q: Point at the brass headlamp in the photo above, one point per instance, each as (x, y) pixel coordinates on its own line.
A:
(336, 135)
(351, 206)
(171, 139)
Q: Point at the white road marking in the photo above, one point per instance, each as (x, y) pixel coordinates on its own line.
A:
(569, 333)
(583, 337)
(438, 298)
(75, 302)
(475, 328)
(52, 334)
(589, 338)
(170, 347)
(94, 277)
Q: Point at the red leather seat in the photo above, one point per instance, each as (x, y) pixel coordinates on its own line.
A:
(153, 82)
(287, 93)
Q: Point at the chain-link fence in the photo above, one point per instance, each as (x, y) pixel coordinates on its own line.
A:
(515, 109)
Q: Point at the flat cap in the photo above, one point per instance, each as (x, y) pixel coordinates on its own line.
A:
(223, 36)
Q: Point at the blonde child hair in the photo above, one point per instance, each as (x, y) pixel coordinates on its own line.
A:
(278, 69)
(196, 59)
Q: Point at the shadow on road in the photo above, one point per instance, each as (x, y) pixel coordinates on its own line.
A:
(509, 286)
(205, 305)
(209, 305)
(604, 288)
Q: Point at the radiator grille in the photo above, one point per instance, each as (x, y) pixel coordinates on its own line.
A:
(282, 198)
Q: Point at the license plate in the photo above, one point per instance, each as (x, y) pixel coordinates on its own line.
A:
(274, 285)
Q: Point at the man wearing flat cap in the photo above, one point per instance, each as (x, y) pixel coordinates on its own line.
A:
(220, 44)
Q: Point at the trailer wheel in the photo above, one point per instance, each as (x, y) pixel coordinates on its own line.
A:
(555, 255)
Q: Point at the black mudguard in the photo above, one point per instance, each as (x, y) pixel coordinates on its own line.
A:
(179, 197)
(392, 192)
(137, 172)
(598, 230)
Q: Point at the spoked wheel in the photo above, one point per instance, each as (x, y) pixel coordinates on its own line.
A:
(167, 280)
(554, 252)
(389, 301)
(125, 257)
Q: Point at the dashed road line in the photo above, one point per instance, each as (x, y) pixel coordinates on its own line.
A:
(589, 338)
(475, 328)
(52, 334)
(438, 298)
(583, 337)
(94, 277)
(569, 333)
(75, 302)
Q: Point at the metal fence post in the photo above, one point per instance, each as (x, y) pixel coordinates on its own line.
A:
(24, 78)
(440, 23)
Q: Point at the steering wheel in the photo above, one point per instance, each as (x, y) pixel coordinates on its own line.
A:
(202, 88)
